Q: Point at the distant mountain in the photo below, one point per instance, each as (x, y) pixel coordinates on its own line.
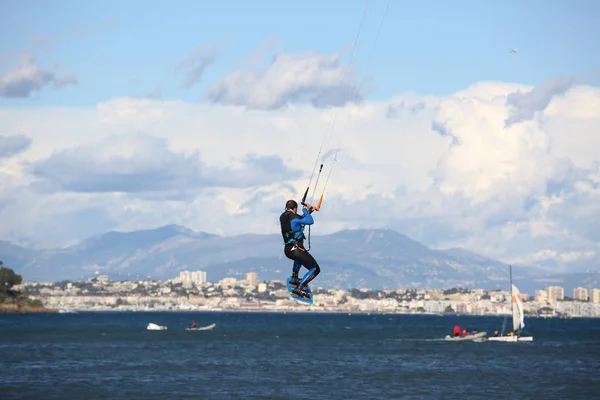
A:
(16, 257)
(373, 258)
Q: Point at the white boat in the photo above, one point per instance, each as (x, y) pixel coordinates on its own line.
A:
(511, 338)
(518, 317)
(478, 337)
(154, 327)
(202, 328)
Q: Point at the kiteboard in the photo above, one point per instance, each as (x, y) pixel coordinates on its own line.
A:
(299, 298)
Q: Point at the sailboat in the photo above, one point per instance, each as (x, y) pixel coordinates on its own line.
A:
(518, 318)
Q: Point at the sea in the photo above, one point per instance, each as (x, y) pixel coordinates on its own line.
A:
(252, 355)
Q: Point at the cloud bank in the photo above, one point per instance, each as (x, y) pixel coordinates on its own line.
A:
(141, 163)
(506, 170)
(320, 79)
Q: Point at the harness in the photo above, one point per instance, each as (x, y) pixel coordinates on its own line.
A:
(289, 236)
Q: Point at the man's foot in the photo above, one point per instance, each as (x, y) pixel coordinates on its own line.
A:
(295, 281)
(301, 293)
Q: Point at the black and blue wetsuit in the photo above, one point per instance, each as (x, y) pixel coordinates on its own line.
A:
(292, 230)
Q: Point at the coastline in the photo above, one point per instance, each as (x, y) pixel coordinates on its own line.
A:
(22, 309)
(14, 309)
(292, 310)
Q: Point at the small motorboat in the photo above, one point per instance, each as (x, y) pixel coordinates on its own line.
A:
(154, 327)
(202, 328)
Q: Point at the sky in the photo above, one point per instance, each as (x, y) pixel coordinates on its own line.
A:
(123, 116)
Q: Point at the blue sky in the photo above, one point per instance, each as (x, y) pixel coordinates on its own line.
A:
(134, 164)
(128, 48)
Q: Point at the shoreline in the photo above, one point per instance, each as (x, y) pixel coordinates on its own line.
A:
(24, 309)
(293, 311)
(13, 309)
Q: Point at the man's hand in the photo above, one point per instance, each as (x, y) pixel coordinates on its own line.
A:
(310, 208)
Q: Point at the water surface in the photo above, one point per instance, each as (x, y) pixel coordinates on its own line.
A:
(279, 356)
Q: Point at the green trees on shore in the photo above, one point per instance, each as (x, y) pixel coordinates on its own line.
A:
(8, 295)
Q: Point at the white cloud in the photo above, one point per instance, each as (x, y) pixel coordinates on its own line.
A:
(27, 77)
(565, 257)
(195, 65)
(446, 171)
(289, 78)
(13, 145)
(141, 163)
(525, 105)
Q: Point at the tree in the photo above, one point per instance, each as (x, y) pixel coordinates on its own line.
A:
(120, 301)
(8, 279)
(35, 303)
(450, 291)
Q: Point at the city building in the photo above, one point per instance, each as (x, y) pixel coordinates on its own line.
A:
(541, 296)
(555, 293)
(190, 278)
(251, 278)
(580, 293)
(199, 277)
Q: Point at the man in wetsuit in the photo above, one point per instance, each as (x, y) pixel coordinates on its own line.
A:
(292, 230)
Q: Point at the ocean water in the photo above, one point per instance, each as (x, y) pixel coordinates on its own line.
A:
(280, 356)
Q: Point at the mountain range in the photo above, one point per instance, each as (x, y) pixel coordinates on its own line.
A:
(360, 258)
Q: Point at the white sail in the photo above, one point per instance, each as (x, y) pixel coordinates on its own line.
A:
(517, 309)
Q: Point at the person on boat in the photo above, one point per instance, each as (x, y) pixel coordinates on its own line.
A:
(292, 230)
(474, 332)
(456, 330)
(495, 333)
(509, 334)
(193, 324)
(464, 332)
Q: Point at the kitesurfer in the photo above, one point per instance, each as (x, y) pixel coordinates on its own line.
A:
(292, 230)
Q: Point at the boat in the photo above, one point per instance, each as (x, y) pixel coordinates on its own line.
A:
(477, 337)
(202, 328)
(518, 318)
(154, 327)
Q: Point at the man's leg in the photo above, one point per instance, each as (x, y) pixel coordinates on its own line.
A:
(293, 255)
(295, 281)
(313, 270)
(302, 257)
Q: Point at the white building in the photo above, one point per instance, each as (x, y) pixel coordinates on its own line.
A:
(555, 293)
(541, 296)
(199, 277)
(251, 278)
(189, 278)
(227, 282)
(580, 293)
(595, 296)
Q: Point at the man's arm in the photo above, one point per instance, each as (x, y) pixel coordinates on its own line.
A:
(306, 219)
